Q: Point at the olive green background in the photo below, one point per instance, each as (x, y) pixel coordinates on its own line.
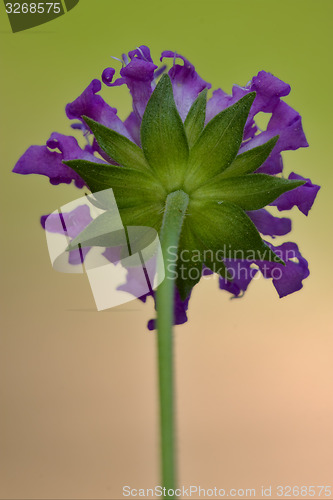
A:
(254, 376)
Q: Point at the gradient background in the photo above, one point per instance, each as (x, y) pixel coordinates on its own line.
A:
(254, 376)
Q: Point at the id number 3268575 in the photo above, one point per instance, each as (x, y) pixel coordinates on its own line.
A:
(33, 8)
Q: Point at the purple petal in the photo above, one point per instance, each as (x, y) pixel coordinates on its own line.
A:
(302, 197)
(206, 271)
(267, 224)
(136, 281)
(142, 52)
(151, 325)
(92, 105)
(107, 76)
(219, 101)
(160, 71)
(269, 89)
(286, 279)
(76, 257)
(73, 223)
(241, 274)
(273, 165)
(97, 148)
(40, 160)
(250, 128)
(138, 75)
(287, 124)
(180, 310)
(186, 82)
(68, 146)
(113, 254)
(133, 123)
(285, 121)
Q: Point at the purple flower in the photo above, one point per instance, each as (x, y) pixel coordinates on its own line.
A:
(140, 75)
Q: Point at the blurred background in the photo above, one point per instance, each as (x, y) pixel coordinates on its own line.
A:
(79, 417)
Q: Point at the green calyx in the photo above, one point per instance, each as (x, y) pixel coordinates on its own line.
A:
(200, 160)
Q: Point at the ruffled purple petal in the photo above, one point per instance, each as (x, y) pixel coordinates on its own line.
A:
(180, 311)
(138, 75)
(302, 197)
(73, 223)
(241, 274)
(107, 76)
(267, 224)
(269, 89)
(142, 52)
(92, 105)
(68, 146)
(186, 82)
(287, 124)
(286, 279)
(136, 280)
(41, 160)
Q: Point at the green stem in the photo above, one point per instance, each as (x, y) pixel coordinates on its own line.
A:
(175, 208)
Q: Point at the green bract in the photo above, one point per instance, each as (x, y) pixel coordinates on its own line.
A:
(200, 160)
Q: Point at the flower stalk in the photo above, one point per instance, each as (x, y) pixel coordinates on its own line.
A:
(174, 213)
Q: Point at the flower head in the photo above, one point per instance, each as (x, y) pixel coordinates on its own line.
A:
(174, 140)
